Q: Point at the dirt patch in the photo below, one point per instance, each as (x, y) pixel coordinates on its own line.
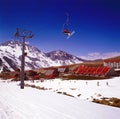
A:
(108, 101)
(79, 95)
(37, 87)
(42, 88)
(64, 93)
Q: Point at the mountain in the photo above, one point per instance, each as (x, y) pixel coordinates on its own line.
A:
(63, 58)
(10, 57)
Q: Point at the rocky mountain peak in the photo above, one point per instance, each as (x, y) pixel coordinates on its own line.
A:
(10, 53)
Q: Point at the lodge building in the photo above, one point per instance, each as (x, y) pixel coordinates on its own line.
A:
(112, 63)
(98, 71)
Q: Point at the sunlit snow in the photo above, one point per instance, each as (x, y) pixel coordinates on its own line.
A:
(31, 103)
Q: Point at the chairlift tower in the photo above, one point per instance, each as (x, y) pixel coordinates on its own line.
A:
(24, 34)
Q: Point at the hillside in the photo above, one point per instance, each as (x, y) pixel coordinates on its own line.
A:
(114, 58)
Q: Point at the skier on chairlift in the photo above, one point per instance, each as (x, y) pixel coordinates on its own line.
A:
(66, 30)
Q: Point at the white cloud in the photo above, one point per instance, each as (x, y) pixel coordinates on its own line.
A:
(97, 55)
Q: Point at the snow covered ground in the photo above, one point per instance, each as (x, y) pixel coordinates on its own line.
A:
(82, 89)
(31, 103)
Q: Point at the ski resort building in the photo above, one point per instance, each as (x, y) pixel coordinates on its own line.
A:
(98, 71)
(63, 70)
(51, 73)
(112, 63)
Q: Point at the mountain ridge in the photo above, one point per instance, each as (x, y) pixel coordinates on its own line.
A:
(10, 57)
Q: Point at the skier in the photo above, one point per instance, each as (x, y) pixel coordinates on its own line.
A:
(65, 30)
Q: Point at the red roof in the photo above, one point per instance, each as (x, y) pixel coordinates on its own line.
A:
(88, 70)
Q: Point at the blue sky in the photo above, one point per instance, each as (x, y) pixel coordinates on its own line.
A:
(96, 24)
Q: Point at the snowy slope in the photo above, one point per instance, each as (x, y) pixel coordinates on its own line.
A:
(87, 89)
(34, 59)
(30, 103)
(10, 57)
